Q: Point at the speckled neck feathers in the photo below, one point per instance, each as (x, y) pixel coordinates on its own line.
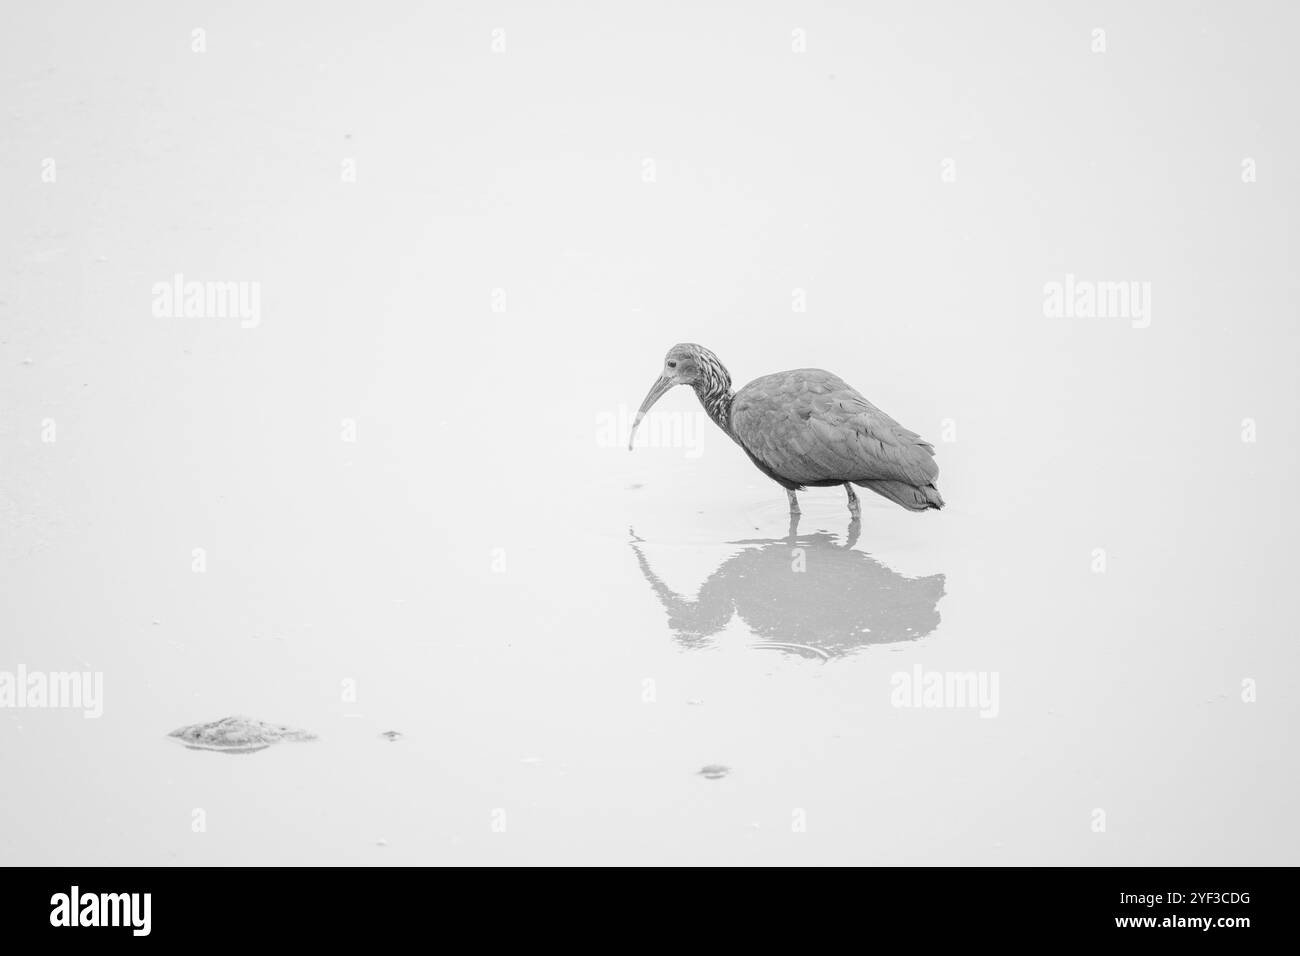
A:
(713, 389)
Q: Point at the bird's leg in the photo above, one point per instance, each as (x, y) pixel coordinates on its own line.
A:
(794, 502)
(854, 508)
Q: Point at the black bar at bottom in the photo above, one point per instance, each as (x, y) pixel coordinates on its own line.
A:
(1155, 905)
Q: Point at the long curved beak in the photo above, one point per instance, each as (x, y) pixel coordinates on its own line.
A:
(661, 385)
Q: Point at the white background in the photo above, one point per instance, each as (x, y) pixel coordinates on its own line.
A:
(524, 170)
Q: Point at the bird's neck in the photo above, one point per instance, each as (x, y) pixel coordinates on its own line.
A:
(716, 397)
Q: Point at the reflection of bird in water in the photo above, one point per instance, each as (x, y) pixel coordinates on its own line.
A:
(804, 592)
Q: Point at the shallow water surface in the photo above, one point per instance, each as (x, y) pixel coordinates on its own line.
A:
(401, 503)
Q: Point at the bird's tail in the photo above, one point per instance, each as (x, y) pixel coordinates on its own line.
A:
(909, 496)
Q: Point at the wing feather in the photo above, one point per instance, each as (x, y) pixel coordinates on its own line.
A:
(808, 426)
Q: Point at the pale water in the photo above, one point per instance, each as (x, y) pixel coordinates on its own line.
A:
(412, 516)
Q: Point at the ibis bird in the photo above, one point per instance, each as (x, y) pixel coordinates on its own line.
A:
(806, 427)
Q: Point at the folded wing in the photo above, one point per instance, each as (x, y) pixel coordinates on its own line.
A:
(809, 427)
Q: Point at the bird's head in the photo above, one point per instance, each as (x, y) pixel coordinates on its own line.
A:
(688, 363)
(685, 364)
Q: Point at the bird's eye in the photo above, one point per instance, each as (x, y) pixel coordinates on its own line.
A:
(672, 364)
